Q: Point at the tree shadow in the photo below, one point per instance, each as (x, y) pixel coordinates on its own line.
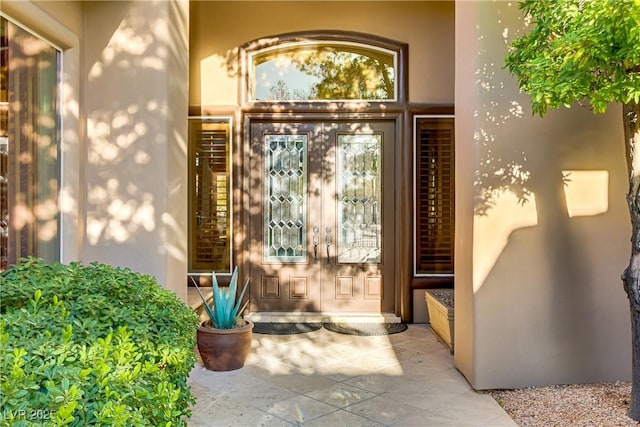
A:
(30, 146)
(542, 253)
(286, 117)
(316, 184)
(131, 135)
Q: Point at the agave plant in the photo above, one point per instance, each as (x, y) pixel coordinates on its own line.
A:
(225, 312)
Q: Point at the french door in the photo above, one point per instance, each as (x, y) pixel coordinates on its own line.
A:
(322, 216)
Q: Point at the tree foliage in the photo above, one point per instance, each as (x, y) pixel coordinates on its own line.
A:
(346, 75)
(578, 50)
(339, 74)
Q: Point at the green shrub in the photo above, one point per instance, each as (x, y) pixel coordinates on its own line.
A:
(85, 345)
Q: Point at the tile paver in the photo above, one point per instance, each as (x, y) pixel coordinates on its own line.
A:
(300, 409)
(322, 378)
(342, 418)
(341, 395)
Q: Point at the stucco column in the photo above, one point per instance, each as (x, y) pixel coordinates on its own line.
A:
(136, 101)
(541, 226)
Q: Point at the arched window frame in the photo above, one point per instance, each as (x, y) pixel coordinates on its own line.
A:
(285, 41)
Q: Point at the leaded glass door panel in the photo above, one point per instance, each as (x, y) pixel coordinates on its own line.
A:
(321, 216)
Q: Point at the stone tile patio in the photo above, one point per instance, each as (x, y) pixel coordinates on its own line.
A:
(322, 378)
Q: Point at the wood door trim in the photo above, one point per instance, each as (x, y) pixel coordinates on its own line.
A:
(402, 194)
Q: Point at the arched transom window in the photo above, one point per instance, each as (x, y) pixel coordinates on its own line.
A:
(322, 70)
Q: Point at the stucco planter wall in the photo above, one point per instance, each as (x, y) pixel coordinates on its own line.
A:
(440, 307)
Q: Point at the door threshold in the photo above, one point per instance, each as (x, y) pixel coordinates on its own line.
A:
(325, 317)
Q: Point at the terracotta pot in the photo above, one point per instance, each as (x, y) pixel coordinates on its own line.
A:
(224, 349)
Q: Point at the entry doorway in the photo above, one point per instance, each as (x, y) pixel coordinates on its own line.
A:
(322, 217)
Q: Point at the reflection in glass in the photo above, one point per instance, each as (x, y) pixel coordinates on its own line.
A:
(29, 146)
(4, 146)
(359, 198)
(323, 71)
(285, 201)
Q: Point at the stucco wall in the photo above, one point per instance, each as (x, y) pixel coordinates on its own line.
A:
(219, 27)
(68, 13)
(124, 108)
(538, 293)
(136, 101)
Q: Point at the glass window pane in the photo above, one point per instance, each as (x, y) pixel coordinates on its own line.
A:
(359, 198)
(285, 198)
(434, 197)
(4, 146)
(323, 71)
(210, 197)
(29, 142)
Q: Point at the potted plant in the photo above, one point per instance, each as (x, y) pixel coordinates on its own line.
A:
(224, 341)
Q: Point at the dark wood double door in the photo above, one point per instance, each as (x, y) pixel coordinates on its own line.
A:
(322, 216)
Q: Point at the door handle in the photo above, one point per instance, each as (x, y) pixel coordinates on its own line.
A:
(316, 241)
(328, 240)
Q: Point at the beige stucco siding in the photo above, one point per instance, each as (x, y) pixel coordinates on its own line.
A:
(538, 293)
(218, 28)
(68, 13)
(124, 125)
(136, 126)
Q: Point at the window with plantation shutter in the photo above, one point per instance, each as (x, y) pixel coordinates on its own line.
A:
(434, 195)
(210, 201)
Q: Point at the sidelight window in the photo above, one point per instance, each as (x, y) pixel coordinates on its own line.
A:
(434, 195)
(210, 198)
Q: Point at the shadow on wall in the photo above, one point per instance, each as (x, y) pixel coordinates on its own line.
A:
(131, 138)
(219, 73)
(542, 216)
